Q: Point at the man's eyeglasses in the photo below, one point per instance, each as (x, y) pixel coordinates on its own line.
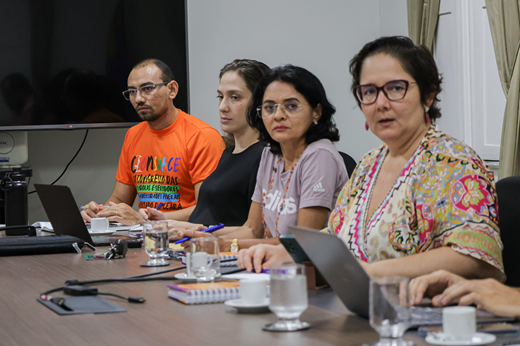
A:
(269, 109)
(394, 90)
(144, 90)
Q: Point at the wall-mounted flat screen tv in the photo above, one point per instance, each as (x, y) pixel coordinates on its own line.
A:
(65, 63)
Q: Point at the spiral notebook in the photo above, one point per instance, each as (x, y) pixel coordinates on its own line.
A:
(205, 293)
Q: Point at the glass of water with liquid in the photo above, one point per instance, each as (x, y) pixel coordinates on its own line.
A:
(288, 298)
(389, 309)
(155, 242)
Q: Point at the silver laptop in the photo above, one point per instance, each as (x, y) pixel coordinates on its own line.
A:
(348, 279)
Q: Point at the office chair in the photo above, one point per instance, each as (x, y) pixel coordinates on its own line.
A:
(508, 191)
(350, 163)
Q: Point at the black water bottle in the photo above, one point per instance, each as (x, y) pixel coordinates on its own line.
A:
(15, 198)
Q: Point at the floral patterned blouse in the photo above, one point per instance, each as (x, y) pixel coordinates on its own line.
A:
(445, 196)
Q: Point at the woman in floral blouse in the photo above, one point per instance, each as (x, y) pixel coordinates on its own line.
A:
(422, 193)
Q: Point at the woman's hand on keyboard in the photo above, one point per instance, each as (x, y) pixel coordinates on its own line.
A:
(262, 256)
(431, 285)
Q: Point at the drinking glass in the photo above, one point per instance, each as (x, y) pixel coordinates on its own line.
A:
(389, 311)
(204, 258)
(288, 297)
(156, 242)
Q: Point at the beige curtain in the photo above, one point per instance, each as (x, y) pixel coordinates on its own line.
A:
(504, 21)
(423, 16)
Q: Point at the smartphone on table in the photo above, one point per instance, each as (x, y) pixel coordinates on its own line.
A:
(293, 248)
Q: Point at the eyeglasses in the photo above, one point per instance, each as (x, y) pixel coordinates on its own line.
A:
(394, 90)
(144, 90)
(269, 109)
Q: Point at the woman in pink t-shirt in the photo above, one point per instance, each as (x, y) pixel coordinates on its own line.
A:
(301, 172)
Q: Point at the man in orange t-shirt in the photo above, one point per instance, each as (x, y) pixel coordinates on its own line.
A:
(165, 159)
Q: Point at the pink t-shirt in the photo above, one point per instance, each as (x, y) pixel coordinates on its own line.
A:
(318, 178)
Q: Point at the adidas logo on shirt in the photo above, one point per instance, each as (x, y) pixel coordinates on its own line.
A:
(318, 188)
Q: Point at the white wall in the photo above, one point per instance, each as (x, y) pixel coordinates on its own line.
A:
(393, 18)
(321, 36)
(92, 174)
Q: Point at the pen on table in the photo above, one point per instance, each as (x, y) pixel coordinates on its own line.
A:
(207, 230)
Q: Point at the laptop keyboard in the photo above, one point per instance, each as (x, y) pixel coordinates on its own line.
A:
(426, 316)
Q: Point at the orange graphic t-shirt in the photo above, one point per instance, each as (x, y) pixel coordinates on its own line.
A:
(164, 165)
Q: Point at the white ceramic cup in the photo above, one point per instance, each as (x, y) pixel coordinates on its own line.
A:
(252, 292)
(99, 224)
(459, 322)
(199, 259)
(205, 258)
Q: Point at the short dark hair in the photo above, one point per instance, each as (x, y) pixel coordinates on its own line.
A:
(311, 88)
(166, 72)
(416, 60)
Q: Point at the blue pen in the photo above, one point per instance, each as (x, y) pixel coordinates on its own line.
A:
(159, 206)
(207, 230)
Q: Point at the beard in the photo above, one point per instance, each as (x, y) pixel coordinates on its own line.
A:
(147, 114)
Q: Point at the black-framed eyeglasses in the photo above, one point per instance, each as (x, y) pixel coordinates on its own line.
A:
(144, 90)
(394, 90)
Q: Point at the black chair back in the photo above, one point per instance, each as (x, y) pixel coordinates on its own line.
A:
(508, 191)
(350, 163)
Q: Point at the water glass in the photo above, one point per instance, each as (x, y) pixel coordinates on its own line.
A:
(204, 258)
(288, 297)
(390, 313)
(155, 242)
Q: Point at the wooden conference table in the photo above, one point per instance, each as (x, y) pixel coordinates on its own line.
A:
(159, 321)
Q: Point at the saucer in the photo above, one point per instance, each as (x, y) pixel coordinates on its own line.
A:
(477, 339)
(185, 278)
(248, 308)
(105, 232)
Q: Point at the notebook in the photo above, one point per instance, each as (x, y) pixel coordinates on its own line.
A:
(350, 282)
(205, 293)
(65, 217)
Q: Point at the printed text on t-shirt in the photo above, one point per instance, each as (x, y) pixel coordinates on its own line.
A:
(274, 199)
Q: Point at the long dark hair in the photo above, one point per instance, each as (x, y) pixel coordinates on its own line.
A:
(416, 60)
(311, 88)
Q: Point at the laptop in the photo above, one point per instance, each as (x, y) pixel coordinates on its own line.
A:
(350, 282)
(65, 217)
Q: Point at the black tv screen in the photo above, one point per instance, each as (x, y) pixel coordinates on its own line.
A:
(65, 63)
